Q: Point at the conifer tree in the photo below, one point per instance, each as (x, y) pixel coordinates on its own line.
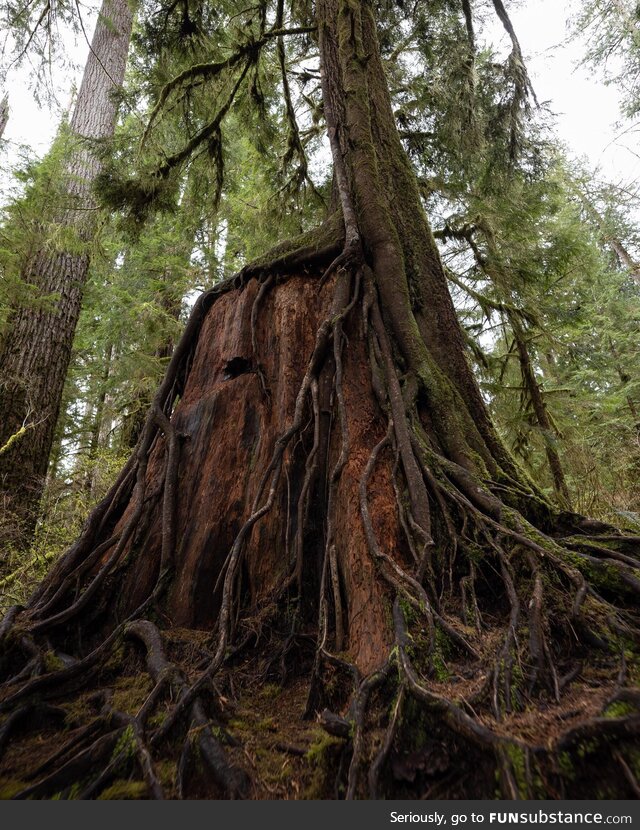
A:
(37, 338)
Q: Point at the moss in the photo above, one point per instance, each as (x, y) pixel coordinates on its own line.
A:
(156, 719)
(130, 692)
(126, 744)
(277, 773)
(267, 724)
(10, 787)
(416, 730)
(239, 725)
(619, 709)
(316, 754)
(300, 247)
(565, 765)
(440, 667)
(587, 748)
(77, 710)
(270, 691)
(52, 662)
(633, 759)
(602, 574)
(321, 755)
(517, 761)
(166, 772)
(441, 654)
(122, 790)
(408, 611)
(517, 683)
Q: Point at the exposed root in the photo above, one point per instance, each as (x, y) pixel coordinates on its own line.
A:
(492, 617)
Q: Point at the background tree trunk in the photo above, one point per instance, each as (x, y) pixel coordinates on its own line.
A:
(4, 114)
(37, 341)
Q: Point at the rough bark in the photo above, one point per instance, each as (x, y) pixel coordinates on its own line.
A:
(4, 114)
(549, 434)
(319, 490)
(36, 346)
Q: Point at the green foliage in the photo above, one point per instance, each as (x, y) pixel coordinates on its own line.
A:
(67, 501)
(612, 31)
(30, 222)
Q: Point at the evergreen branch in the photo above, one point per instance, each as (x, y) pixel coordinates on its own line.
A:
(45, 12)
(483, 301)
(498, 5)
(207, 131)
(295, 148)
(210, 70)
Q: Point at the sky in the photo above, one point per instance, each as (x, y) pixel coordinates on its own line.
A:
(586, 110)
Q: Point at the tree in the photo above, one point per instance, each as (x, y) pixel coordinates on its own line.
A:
(4, 114)
(320, 491)
(610, 28)
(37, 337)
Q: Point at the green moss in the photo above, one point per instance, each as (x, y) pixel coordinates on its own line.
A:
(441, 653)
(601, 574)
(77, 710)
(156, 720)
(270, 691)
(517, 761)
(126, 744)
(416, 731)
(408, 611)
(267, 724)
(440, 667)
(565, 765)
(633, 759)
(122, 790)
(321, 755)
(10, 787)
(587, 748)
(52, 662)
(130, 692)
(239, 725)
(166, 772)
(317, 752)
(619, 709)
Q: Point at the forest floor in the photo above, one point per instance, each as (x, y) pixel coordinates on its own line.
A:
(259, 721)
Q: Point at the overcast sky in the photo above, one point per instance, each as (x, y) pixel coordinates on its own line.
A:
(586, 110)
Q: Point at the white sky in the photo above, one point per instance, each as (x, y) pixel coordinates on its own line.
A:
(586, 110)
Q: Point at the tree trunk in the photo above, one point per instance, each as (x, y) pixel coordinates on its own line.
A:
(171, 305)
(4, 114)
(36, 347)
(549, 434)
(319, 490)
(97, 428)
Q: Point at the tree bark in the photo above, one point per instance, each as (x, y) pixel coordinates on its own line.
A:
(4, 114)
(36, 347)
(541, 413)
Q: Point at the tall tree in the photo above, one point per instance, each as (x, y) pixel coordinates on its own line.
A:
(4, 114)
(37, 338)
(319, 484)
